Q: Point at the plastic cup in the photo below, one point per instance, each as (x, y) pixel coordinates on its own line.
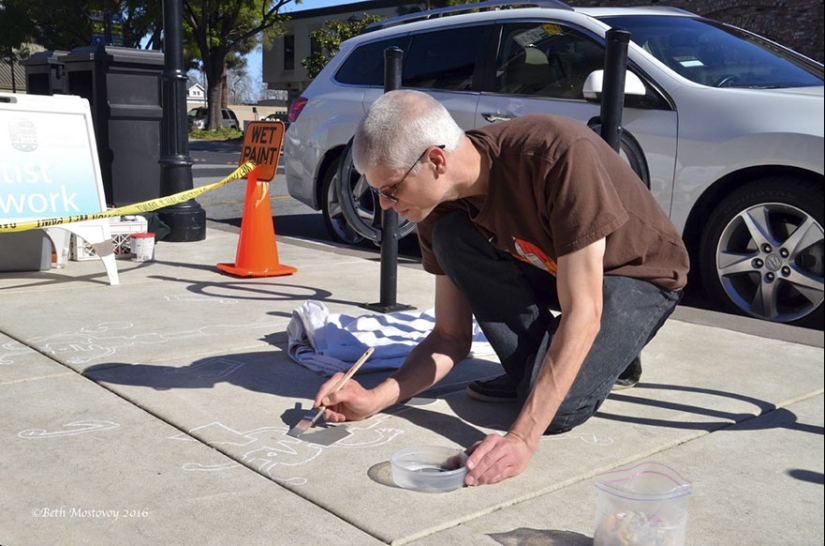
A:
(645, 504)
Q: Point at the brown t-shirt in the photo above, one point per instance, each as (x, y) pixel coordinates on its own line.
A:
(556, 187)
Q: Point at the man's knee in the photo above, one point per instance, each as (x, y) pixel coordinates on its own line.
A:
(565, 421)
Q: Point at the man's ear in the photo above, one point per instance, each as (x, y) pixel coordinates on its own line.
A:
(438, 158)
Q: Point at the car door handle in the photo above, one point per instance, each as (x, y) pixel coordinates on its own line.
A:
(493, 117)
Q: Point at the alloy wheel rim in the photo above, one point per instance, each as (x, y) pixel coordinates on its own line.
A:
(769, 262)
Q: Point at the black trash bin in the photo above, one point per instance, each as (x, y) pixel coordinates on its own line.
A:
(123, 87)
(45, 73)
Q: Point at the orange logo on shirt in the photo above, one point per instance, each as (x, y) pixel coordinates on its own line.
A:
(530, 253)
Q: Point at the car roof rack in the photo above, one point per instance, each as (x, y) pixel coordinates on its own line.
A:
(452, 10)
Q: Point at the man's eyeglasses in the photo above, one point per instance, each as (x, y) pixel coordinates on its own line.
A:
(388, 192)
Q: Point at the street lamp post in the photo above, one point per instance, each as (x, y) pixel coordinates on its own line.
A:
(186, 221)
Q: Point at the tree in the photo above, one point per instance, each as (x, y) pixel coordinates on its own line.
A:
(327, 41)
(219, 29)
(67, 24)
(241, 89)
(16, 29)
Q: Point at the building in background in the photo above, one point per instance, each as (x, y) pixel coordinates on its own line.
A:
(282, 68)
(195, 93)
(796, 24)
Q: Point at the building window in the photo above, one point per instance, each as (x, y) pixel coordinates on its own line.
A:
(289, 52)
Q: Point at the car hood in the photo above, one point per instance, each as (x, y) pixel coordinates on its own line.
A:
(808, 91)
(723, 113)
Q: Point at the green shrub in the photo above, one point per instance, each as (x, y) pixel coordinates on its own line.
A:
(224, 133)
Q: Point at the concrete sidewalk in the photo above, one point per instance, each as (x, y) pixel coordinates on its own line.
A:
(156, 411)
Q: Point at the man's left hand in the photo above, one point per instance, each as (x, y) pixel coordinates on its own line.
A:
(496, 458)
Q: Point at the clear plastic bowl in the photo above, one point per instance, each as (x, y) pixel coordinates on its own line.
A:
(431, 469)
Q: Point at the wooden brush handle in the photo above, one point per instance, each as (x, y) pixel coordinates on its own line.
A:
(343, 381)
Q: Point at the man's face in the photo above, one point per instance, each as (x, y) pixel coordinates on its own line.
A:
(413, 195)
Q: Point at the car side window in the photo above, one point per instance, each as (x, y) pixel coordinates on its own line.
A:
(365, 65)
(443, 59)
(545, 60)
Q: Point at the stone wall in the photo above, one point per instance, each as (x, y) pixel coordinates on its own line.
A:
(796, 24)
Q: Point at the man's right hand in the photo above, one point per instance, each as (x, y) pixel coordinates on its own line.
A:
(448, 343)
(352, 403)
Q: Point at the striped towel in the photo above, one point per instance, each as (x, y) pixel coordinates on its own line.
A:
(327, 343)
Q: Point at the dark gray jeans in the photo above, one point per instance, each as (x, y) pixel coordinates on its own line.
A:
(511, 301)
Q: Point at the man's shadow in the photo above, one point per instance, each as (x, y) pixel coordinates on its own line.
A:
(276, 374)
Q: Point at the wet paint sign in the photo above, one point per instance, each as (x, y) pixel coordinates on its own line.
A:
(262, 144)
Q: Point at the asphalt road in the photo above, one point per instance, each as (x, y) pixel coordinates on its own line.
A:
(215, 160)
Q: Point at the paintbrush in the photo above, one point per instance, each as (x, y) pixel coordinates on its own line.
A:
(312, 417)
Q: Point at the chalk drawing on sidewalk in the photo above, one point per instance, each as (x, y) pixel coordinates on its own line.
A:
(271, 452)
(197, 467)
(70, 429)
(586, 437)
(105, 339)
(10, 350)
(374, 435)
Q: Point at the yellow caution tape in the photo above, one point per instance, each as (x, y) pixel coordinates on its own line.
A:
(136, 208)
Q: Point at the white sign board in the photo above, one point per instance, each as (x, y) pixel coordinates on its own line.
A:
(49, 168)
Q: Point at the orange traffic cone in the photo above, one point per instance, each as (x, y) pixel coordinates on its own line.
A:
(257, 254)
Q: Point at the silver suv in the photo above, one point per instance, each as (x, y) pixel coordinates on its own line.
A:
(199, 117)
(726, 132)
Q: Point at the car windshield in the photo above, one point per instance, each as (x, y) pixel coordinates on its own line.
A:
(718, 55)
(197, 112)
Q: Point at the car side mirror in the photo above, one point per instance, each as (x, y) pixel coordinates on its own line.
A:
(592, 88)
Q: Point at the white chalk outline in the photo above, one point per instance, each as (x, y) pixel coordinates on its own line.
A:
(72, 429)
(282, 452)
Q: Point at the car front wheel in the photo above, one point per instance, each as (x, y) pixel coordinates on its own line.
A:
(762, 251)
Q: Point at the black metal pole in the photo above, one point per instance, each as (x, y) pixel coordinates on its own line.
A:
(186, 221)
(107, 26)
(389, 218)
(615, 66)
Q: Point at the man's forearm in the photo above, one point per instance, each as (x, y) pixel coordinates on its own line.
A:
(564, 358)
(426, 365)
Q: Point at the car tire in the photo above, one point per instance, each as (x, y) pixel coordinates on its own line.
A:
(360, 206)
(337, 226)
(761, 252)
